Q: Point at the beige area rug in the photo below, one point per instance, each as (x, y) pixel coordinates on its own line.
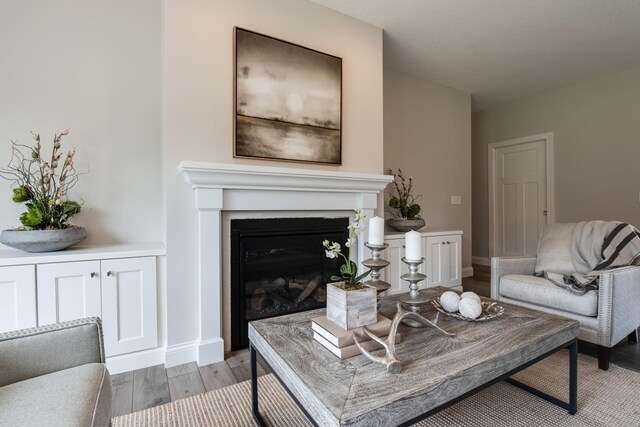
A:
(610, 398)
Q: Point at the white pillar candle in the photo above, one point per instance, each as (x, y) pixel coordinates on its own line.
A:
(376, 231)
(413, 246)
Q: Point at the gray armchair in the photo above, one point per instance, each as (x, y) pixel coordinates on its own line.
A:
(606, 316)
(55, 375)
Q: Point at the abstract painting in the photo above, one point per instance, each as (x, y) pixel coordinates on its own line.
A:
(288, 101)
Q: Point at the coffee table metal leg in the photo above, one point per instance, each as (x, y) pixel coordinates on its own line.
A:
(572, 405)
(254, 387)
(573, 378)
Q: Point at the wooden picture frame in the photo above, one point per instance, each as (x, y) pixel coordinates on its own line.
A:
(287, 101)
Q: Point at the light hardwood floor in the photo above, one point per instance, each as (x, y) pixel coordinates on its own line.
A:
(145, 388)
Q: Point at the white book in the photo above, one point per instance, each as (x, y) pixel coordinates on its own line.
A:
(350, 350)
(342, 337)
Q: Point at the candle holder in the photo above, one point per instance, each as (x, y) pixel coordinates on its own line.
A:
(375, 264)
(414, 299)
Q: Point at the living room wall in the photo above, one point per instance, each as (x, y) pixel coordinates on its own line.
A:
(198, 123)
(94, 67)
(427, 129)
(597, 146)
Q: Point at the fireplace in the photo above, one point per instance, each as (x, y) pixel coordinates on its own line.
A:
(223, 190)
(278, 266)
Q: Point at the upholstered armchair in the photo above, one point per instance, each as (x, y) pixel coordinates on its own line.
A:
(606, 315)
(55, 375)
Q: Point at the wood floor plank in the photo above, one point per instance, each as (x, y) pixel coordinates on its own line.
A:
(217, 375)
(122, 394)
(187, 368)
(239, 363)
(150, 387)
(185, 385)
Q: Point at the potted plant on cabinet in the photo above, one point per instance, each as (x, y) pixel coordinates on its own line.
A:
(406, 210)
(37, 184)
(350, 303)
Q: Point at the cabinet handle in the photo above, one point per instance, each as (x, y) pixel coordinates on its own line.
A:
(93, 274)
(443, 243)
(109, 273)
(448, 242)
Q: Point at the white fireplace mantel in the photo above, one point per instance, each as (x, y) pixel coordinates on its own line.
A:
(227, 187)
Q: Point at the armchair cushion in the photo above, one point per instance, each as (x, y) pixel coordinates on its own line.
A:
(540, 291)
(555, 249)
(79, 396)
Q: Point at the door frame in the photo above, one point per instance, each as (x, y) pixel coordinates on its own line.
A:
(550, 178)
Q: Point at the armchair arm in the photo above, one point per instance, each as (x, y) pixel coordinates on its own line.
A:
(618, 302)
(501, 266)
(29, 353)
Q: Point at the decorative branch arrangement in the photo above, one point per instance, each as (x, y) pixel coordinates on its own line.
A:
(38, 186)
(403, 201)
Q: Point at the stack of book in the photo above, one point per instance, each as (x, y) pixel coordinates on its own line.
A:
(340, 341)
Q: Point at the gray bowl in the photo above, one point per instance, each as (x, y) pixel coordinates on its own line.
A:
(406, 224)
(43, 240)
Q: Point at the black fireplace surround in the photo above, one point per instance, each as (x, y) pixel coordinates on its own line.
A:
(278, 266)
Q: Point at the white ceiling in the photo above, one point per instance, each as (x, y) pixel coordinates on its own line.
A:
(503, 50)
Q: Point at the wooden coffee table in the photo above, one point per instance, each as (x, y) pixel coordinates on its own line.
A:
(437, 371)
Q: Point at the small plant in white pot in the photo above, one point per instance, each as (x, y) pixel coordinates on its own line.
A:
(350, 303)
(43, 186)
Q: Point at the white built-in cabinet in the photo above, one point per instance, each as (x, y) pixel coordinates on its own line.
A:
(115, 285)
(442, 260)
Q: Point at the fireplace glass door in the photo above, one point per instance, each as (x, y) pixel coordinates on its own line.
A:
(278, 266)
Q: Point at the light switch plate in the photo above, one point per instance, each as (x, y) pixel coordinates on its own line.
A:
(456, 200)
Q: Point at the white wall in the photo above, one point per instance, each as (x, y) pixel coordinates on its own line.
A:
(94, 67)
(427, 129)
(596, 130)
(199, 110)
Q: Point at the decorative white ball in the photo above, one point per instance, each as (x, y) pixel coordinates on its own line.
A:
(449, 301)
(470, 308)
(470, 295)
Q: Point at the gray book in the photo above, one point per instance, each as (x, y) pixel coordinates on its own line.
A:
(339, 337)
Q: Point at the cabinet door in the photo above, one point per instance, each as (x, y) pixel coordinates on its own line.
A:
(454, 261)
(443, 260)
(17, 297)
(435, 258)
(129, 305)
(67, 291)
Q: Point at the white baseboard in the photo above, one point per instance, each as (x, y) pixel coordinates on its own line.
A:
(210, 351)
(133, 361)
(467, 271)
(180, 354)
(480, 260)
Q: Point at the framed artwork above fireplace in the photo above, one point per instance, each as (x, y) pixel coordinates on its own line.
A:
(287, 101)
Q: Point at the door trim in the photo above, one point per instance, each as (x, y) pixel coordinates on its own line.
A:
(550, 178)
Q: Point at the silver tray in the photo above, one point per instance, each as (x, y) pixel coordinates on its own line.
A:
(490, 310)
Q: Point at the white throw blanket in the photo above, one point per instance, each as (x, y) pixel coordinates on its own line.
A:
(597, 246)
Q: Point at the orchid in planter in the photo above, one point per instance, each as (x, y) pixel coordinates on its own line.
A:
(350, 303)
(349, 270)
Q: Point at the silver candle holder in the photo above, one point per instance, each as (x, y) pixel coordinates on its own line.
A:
(375, 264)
(414, 299)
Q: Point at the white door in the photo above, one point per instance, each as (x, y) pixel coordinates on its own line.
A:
(17, 297)
(68, 291)
(129, 305)
(520, 197)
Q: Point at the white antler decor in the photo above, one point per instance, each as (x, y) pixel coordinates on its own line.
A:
(390, 361)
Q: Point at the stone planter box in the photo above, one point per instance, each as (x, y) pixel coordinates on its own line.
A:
(43, 240)
(351, 309)
(406, 224)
